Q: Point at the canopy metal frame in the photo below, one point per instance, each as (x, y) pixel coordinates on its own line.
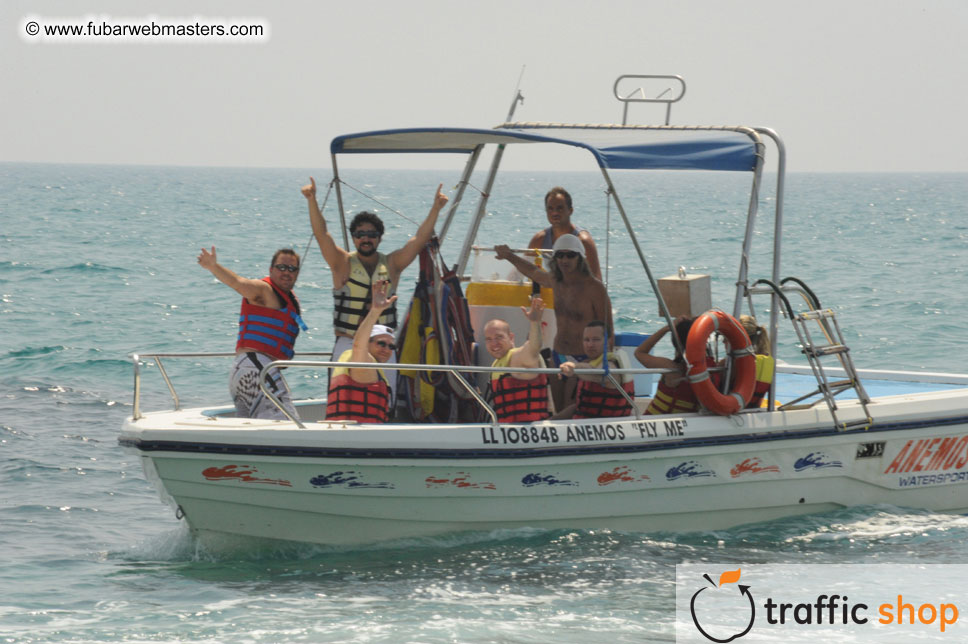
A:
(666, 154)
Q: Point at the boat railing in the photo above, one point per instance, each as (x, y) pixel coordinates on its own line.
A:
(544, 251)
(667, 94)
(456, 370)
(890, 375)
(136, 359)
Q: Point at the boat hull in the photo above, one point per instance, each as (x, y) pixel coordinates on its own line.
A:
(336, 484)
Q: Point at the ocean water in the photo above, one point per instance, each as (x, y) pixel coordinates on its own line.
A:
(97, 262)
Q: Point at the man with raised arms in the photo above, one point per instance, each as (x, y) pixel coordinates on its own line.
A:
(517, 397)
(558, 210)
(268, 325)
(355, 272)
(579, 298)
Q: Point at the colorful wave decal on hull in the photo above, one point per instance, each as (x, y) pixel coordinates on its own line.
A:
(815, 460)
(688, 469)
(349, 479)
(241, 473)
(460, 480)
(621, 474)
(752, 466)
(542, 478)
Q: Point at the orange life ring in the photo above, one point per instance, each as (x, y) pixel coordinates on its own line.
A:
(744, 363)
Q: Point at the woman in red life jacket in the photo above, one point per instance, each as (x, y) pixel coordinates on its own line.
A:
(673, 394)
(596, 396)
(362, 394)
(517, 397)
(765, 364)
(269, 322)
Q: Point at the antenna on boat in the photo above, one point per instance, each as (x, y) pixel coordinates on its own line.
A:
(639, 94)
(518, 96)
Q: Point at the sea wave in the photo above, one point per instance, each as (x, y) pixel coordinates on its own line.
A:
(98, 363)
(82, 268)
(29, 352)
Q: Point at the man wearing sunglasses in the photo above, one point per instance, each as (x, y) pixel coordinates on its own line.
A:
(558, 210)
(358, 393)
(268, 325)
(579, 298)
(354, 272)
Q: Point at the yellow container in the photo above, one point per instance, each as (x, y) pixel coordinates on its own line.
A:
(504, 294)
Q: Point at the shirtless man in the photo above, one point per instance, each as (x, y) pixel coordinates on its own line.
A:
(579, 299)
(558, 209)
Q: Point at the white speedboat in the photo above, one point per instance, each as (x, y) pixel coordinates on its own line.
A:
(831, 435)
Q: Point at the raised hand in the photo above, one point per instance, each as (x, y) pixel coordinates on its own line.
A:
(380, 301)
(207, 260)
(440, 199)
(537, 308)
(309, 191)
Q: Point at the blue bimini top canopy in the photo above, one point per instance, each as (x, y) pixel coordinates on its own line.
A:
(613, 146)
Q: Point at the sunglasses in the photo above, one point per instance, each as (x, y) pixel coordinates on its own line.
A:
(366, 234)
(567, 254)
(286, 267)
(383, 344)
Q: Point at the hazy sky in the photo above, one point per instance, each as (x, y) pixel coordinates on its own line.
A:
(851, 85)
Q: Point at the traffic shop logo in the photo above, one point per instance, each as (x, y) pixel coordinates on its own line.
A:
(713, 600)
(726, 611)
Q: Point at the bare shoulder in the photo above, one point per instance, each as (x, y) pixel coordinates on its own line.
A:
(596, 285)
(537, 239)
(586, 237)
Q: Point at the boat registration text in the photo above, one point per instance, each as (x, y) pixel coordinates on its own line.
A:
(573, 433)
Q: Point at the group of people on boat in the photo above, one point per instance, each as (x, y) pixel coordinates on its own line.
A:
(365, 319)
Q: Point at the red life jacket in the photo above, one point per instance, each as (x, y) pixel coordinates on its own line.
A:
(593, 400)
(270, 331)
(351, 400)
(519, 401)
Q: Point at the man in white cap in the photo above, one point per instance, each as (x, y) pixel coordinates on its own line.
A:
(579, 299)
(362, 394)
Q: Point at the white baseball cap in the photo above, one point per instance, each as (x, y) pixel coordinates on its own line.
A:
(379, 329)
(570, 242)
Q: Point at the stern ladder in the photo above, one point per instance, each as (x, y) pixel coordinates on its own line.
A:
(816, 348)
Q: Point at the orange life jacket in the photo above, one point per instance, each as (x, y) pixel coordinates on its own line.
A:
(593, 400)
(520, 401)
(351, 400)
